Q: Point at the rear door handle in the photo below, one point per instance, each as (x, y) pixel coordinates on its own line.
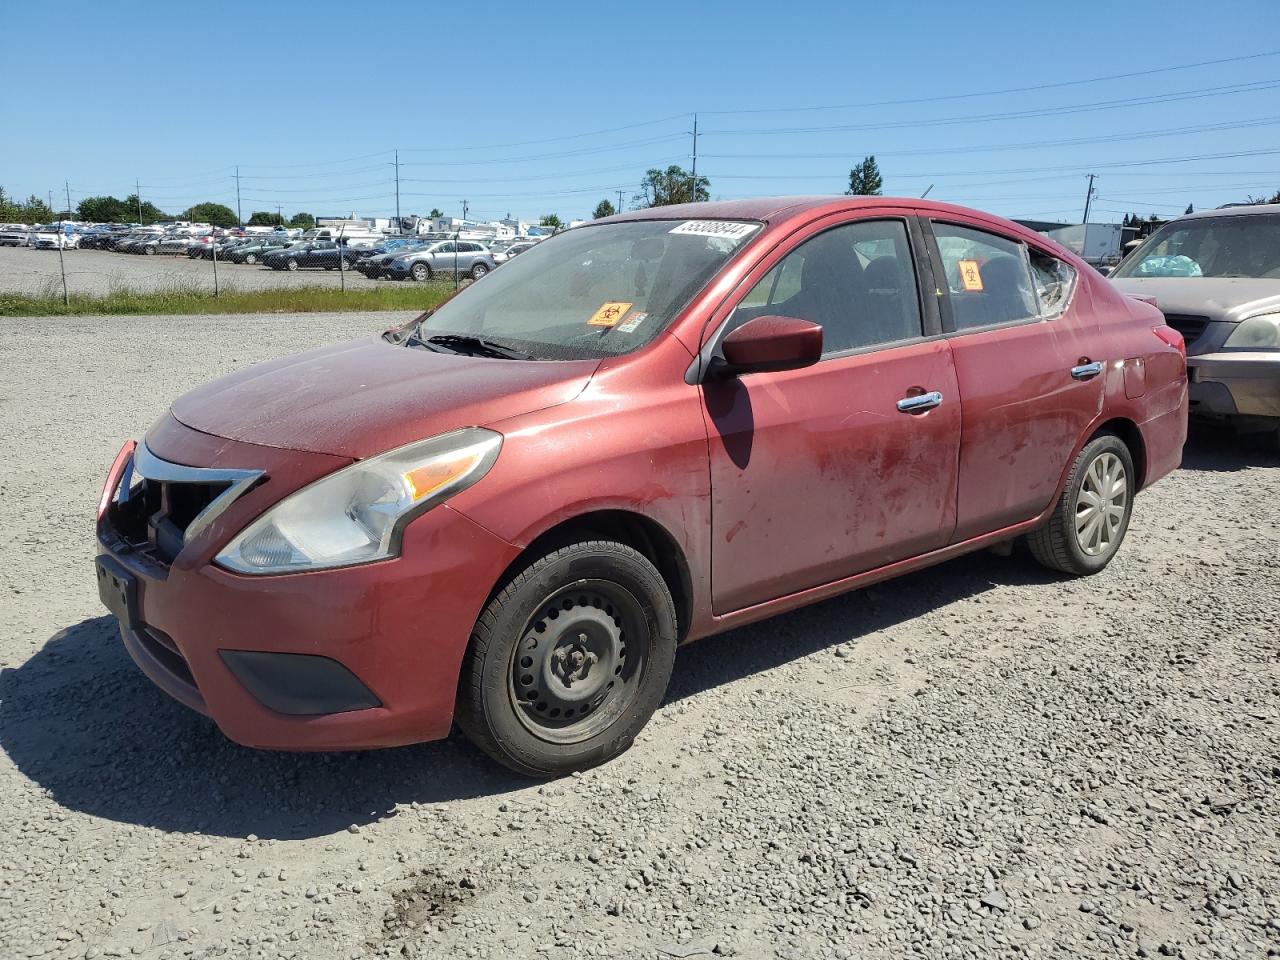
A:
(1086, 370)
(918, 404)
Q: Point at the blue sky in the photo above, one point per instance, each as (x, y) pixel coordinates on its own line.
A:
(550, 107)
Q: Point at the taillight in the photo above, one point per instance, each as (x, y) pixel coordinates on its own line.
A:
(118, 465)
(1172, 337)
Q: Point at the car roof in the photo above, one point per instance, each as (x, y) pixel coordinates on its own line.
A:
(1241, 210)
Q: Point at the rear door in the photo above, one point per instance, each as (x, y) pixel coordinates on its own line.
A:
(1029, 368)
(820, 473)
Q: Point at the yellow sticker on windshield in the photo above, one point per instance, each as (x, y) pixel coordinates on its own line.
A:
(609, 314)
(970, 275)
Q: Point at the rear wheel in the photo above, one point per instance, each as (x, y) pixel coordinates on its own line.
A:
(420, 272)
(569, 660)
(478, 271)
(1091, 517)
(250, 258)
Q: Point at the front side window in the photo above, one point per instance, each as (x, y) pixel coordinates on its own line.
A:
(596, 291)
(988, 279)
(1243, 245)
(857, 282)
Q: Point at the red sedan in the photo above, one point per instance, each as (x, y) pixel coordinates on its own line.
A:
(652, 428)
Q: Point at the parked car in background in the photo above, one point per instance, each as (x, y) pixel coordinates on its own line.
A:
(378, 265)
(254, 251)
(1215, 275)
(443, 257)
(310, 255)
(14, 235)
(651, 428)
(52, 238)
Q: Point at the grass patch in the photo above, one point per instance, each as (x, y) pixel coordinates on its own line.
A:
(181, 298)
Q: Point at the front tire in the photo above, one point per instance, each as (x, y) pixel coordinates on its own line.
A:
(1091, 517)
(291, 265)
(420, 272)
(250, 258)
(569, 660)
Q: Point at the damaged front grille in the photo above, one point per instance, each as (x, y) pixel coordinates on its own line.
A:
(159, 506)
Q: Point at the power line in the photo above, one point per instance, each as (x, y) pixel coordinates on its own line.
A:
(993, 93)
(1226, 90)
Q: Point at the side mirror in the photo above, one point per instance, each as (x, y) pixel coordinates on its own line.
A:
(771, 343)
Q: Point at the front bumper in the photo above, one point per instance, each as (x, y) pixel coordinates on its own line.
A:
(381, 644)
(1235, 384)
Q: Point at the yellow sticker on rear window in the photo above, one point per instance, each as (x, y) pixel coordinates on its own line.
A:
(609, 314)
(970, 275)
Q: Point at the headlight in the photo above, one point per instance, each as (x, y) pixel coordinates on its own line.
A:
(357, 514)
(1257, 333)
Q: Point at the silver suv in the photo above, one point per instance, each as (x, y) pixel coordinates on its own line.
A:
(1216, 277)
(464, 257)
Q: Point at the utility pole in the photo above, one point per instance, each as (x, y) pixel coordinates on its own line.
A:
(1088, 198)
(398, 191)
(693, 179)
(464, 211)
(239, 218)
(51, 201)
(68, 188)
(619, 201)
(137, 192)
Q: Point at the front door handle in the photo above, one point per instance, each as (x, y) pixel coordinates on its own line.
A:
(1086, 370)
(920, 403)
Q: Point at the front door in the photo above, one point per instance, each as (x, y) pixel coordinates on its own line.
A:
(820, 473)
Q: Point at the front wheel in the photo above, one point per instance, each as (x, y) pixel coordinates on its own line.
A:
(1091, 517)
(420, 272)
(291, 265)
(250, 258)
(569, 660)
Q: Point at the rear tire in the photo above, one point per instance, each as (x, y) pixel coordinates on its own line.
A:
(478, 271)
(250, 258)
(569, 660)
(1091, 517)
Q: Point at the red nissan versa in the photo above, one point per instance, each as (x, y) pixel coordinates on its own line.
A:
(643, 431)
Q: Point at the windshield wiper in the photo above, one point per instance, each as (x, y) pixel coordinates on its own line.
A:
(467, 344)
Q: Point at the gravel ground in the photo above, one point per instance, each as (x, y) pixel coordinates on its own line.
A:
(96, 272)
(979, 760)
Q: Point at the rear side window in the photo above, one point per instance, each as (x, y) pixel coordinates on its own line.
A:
(988, 277)
(858, 282)
(1055, 281)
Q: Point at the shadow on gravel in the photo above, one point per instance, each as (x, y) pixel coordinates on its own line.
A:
(82, 722)
(1214, 449)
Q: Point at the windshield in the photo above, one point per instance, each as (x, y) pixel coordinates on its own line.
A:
(595, 291)
(1243, 245)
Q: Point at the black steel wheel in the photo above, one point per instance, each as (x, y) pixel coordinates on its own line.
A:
(569, 660)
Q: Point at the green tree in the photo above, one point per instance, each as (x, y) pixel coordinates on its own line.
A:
(261, 218)
(435, 212)
(304, 220)
(661, 188)
(35, 210)
(106, 209)
(551, 220)
(217, 214)
(149, 212)
(604, 209)
(865, 179)
(8, 209)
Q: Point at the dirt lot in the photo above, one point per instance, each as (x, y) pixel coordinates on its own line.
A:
(97, 272)
(979, 760)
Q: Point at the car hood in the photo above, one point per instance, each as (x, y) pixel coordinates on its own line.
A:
(1219, 298)
(362, 398)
